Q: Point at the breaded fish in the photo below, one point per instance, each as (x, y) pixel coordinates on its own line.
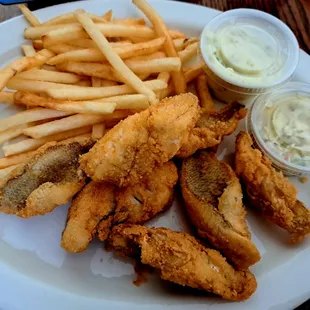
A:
(181, 259)
(138, 203)
(269, 191)
(49, 179)
(212, 127)
(213, 199)
(95, 203)
(100, 206)
(134, 147)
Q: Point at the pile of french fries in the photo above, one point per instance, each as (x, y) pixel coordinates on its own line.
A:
(83, 73)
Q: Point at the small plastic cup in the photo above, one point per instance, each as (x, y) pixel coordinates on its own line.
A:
(247, 53)
(279, 123)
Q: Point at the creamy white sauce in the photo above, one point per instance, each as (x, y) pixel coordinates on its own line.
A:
(286, 128)
(245, 53)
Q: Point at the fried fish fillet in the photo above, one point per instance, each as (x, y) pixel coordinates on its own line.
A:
(181, 259)
(269, 191)
(95, 203)
(135, 146)
(213, 199)
(138, 203)
(212, 127)
(49, 179)
(101, 205)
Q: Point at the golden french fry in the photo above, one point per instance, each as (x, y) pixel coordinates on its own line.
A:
(166, 92)
(193, 72)
(12, 133)
(61, 48)
(61, 19)
(6, 97)
(80, 138)
(68, 123)
(190, 41)
(35, 33)
(189, 52)
(100, 19)
(190, 74)
(89, 43)
(105, 71)
(4, 172)
(69, 33)
(95, 81)
(135, 102)
(117, 63)
(86, 93)
(91, 107)
(82, 43)
(143, 76)
(29, 15)
(28, 50)
(70, 18)
(21, 64)
(87, 107)
(148, 57)
(98, 131)
(49, 68)
(94, 54)
(39, 59)
(5, 75)
(107, 83)
(168, 64)
(37, 44)
(163, 76)
(108, 15)
(130, 21)
(15, 159)
(162, 31)
(98, 70)
(179, 43)
(203, 92)
(49, 76)
(84, 83)
(35, 86)
(29, 116)
(33, 144)
(34, 100)
(174, 34)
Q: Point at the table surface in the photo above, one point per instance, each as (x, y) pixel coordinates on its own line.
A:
(295, 13)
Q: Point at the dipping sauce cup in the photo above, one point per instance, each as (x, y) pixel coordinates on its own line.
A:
(279, 123)
(247, 52)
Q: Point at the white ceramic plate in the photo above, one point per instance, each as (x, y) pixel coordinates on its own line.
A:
(35, 273)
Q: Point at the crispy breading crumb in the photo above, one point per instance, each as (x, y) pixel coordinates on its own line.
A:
(303, 180)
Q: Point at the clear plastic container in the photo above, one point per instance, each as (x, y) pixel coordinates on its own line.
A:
(247, 52)
(279, 123)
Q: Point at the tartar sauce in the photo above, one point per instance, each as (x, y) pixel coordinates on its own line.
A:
(285, 128)
(245, 53)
